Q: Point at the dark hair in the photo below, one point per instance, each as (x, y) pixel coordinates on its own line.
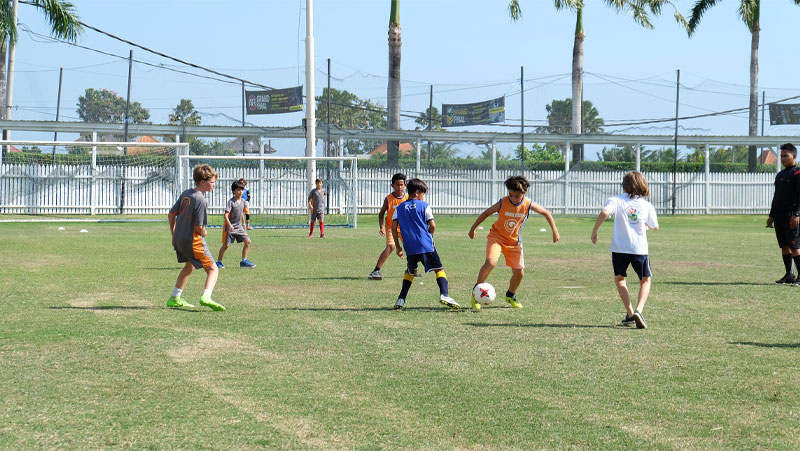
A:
(237, 185)
(518, 183)
(790, 148)
(317, 180)
(416, 185)
(634, 184)
(398, 176)
(244, 182)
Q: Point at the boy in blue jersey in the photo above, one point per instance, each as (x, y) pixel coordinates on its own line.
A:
(414, 219)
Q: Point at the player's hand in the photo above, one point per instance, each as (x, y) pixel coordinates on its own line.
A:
(770, 220)
(594, 236)
(556, 236)
(382, 231)
(230, 227)
(794, 222)
(399, 251)
(471, 234)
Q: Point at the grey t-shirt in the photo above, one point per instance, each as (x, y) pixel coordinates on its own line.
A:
(317, 198)
(192, 210)
(236, 210)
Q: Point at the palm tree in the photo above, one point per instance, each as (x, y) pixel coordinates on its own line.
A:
(637, 8)
(64, 24)
(393, 89)
(750, 12)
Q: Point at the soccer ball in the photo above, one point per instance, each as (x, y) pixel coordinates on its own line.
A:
(484, 293)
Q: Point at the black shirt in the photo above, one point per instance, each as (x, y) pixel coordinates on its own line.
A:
(786, 200)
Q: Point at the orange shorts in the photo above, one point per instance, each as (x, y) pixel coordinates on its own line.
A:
(389, 237)
(513, 254)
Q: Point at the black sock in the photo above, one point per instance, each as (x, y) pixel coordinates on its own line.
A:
(787, 262)
(442, 282)
(797, 262)
(377, 268)
(509, 294)
(406, 286)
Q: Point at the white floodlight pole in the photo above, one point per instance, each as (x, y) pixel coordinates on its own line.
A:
(10, 75)
(311, 119)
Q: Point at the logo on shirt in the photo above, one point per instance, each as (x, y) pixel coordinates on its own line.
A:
(633, 213)
(410, 205)
(510, 224)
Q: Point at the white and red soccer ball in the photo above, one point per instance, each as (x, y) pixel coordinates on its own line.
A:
(484, 293)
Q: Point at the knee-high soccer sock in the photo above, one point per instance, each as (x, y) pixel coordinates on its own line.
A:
(321, 228)
(311, 232)
(787, 262)
(441, 280)
(797, 262)
(408, 279)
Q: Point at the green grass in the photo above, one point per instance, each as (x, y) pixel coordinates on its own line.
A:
(310, 353)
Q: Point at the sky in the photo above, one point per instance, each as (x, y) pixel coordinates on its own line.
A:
(469, 51)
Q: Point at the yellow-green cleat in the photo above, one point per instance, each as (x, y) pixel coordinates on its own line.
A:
(513, 302)
(212, 305)
(177, 302)
(475, 306)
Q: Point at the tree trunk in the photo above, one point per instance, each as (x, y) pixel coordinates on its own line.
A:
(577, 84)
(393, 94)
(753, 116)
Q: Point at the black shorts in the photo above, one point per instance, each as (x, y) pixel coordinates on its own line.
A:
(429, 260)
(787, 236)
(640, 264)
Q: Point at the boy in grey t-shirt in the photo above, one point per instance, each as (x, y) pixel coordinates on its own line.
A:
(187, 224)
(316, 204)
(233, 231)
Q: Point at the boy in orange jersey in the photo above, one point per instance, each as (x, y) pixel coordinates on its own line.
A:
(513, 211)
(187, 224)
(392, 200)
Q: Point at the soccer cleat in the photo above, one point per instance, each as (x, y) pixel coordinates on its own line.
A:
(787, 279)
(177, 302)
(448, 301)
(628, 321)
(375, 275)
(212, 305)
(249, 227)
(220, 265)
(399, 304)
(513, 302)
(322, 236)
(640, 322)
(246, 264)
(475, 306)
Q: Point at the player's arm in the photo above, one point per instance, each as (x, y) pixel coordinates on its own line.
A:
(228, 224)
(398, 246)
(310, 203)
(381, 214)
(171, 219)
(544, 212)
(200, 230)
(600, 219)
(482, 217)
(431, 226)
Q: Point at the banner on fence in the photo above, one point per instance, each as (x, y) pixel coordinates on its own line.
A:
(784, 113)
(275, 101)
(487, 112)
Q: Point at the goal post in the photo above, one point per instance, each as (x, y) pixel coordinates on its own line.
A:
(87, 177)
(278, 188)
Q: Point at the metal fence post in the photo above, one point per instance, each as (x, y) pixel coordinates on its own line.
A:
(493, 191)
(93, 186)
(638, 157)
(706, 154)
(355, 190)
(565, 195)
(260, 195)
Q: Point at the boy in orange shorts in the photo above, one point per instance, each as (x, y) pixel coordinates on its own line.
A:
(392, 200)
(503, 238)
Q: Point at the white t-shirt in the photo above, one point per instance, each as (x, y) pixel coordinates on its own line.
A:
(630, 216)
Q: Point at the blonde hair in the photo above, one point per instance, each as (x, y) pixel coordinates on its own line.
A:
(203, 172)
(634, 184)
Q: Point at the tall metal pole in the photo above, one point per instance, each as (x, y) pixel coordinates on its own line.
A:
(522, 110)
(763, 104)
(12, 51)
(675, 159)
(127, 121)
(244, 108)
(58, 107)
(311, 117)
(430, 121)
(328, 121)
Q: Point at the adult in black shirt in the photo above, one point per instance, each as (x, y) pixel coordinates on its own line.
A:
(784, 215)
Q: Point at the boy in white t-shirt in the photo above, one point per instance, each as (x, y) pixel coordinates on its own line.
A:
(633, 215)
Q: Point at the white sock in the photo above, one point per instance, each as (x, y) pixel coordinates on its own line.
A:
(176, 292)
(206, 294)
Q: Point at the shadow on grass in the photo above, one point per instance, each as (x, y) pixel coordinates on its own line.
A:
(328, 278)
(102, 307)
(560, 326)
(171, 268)
(766, 345)
(369, 309)
(715, 283)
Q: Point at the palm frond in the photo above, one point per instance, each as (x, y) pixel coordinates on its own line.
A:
(516, 11)
(64, 23)
(697, 13)
(749, 11)
(572, 5)
(8, 29)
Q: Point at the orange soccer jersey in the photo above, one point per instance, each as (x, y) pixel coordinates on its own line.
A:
(392, 202)
(510, 220)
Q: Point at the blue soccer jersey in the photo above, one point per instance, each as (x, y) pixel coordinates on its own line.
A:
(412, 217)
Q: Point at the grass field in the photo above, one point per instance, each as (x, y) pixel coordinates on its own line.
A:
(310, 353)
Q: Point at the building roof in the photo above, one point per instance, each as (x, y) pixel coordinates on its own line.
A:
(405, 149)
(767, 157)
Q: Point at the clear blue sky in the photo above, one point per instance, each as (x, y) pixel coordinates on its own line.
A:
(468, 50)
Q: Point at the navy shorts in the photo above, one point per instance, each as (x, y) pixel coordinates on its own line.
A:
(429, 260)
(787, 236)
(640, 264)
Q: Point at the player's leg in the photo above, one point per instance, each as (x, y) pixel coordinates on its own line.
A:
(408, 280)
(492, 254)
(322, 225)
(622, 289)
(212, 272)
(175, 299)
(387, 251)
(245, 249)
(515, 261)
(311, 230)
(221, 254)
(785, 237)
(246, 263)
(641, 264)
